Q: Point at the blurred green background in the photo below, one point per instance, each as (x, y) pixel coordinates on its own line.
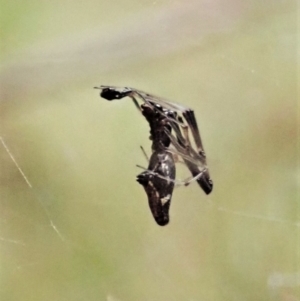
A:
(83, 229)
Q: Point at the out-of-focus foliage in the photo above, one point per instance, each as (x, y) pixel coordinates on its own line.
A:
(81, 228)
